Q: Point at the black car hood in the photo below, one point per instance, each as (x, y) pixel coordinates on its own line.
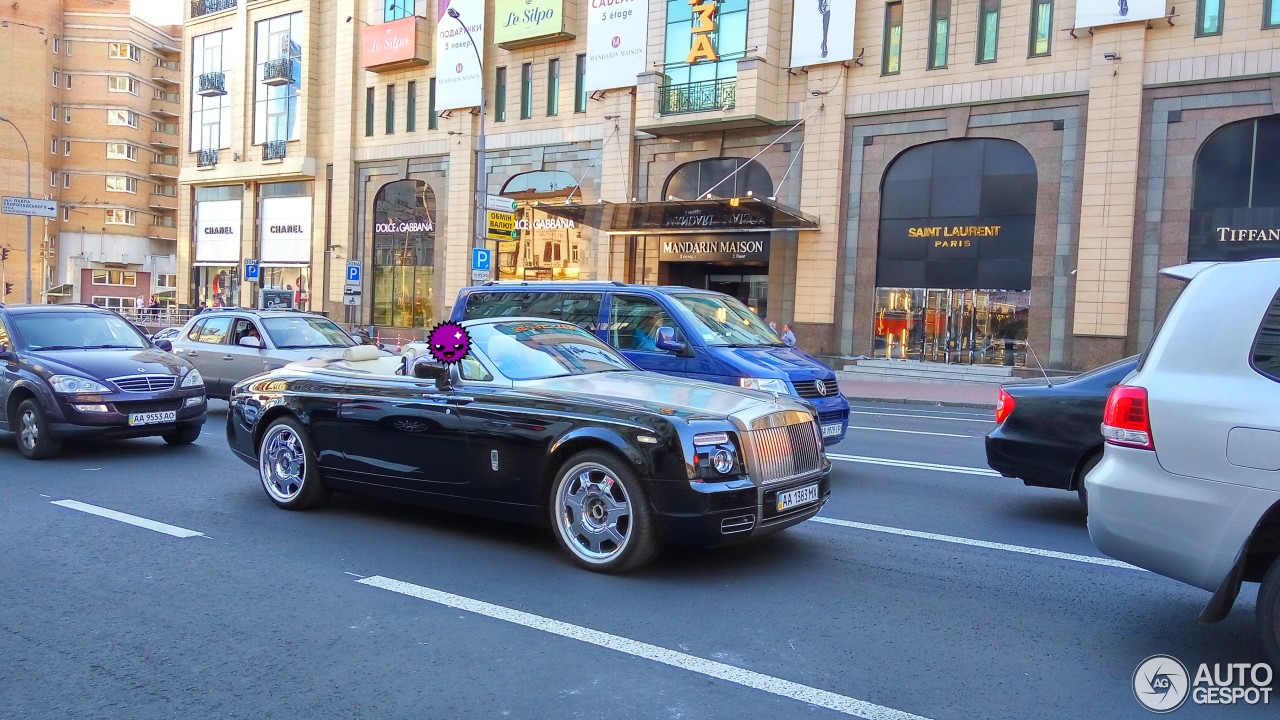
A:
(657, 393)
(109, 363)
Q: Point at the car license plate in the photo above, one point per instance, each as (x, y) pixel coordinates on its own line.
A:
(152, 418)
(797, 497)
(831, 430)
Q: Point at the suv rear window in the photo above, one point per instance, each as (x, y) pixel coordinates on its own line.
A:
(1266, 348)
(581, 309)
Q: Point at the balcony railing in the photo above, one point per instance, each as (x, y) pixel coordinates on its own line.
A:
(163, 139)
(165, 72)
(278, 72)
(207, 158)
(163, 232)
(211, 84)
(205, 7)
(274, 150)
(698, 97)
(161, 201)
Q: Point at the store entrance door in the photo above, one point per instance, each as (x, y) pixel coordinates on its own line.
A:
(952, 326)
(751, 288)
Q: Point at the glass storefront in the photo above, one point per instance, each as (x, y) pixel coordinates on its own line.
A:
(404, 247)
(217, 286)
(983, 327)
(546, 247)
(293, 278)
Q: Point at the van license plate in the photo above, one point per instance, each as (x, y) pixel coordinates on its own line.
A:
(153, 418)
(797, 497)
(831, 430)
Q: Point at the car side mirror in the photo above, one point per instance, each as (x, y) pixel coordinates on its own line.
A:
(4, 352)
(431, 371)
(250, 342)
(667, 341)
(164, 345)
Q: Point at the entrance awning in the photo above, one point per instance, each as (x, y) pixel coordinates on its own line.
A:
(59, 291)
(673, 217)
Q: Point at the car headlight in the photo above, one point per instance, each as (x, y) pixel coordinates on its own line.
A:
(74, 384)
(193, 379)
(765, 384)
(714, 454)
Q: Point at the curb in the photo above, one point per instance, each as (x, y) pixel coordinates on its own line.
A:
(917, 401)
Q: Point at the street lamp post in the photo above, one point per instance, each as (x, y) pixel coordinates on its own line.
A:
(28, 149)
(482, 180)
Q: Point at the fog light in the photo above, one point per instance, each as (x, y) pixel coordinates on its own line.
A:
(193, 401)
(722, 461)
(91, 408)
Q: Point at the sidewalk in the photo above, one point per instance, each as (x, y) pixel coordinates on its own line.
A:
(953, 393)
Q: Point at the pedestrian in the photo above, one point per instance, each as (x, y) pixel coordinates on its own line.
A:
(788, 337)
(773, 326)
(200, 308)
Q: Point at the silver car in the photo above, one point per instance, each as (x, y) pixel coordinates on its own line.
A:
(230, 345)
(1189, 484)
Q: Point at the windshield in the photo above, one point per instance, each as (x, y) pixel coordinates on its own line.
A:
(533, 351)
(77, 331)
(305, 331)
(723, 320)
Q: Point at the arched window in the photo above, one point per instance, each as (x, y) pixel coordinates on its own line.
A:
(404, 248)
(693, 179)
(546, 247)
(542, 183)
(1235, 207)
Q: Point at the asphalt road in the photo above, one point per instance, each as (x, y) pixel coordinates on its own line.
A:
(930, 588)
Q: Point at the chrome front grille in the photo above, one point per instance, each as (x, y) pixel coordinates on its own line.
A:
(145, 383)
(784, 446)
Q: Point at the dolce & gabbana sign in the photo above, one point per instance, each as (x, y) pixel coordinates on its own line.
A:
(714, 249)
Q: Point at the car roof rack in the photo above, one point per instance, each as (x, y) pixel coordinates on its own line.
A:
(556, 283)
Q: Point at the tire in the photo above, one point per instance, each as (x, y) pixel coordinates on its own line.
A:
(1081, 491)
(184, 435)
(287, 466)
(1268, 612)
(600, 514)
(32, 431)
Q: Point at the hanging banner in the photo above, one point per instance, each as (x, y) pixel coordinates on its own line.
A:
(1094, 13)
(218, 232)
(617, 33)
(821, 32)
(286, 230)
(458, 69)
(521, 23)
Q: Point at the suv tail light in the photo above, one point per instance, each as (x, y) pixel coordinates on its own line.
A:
(1127, 419)
(1004, 406)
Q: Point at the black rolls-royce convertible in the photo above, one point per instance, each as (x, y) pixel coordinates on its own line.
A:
(539, 423)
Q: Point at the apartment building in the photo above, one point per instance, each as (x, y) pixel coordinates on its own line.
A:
(954, 180)
(95, 92)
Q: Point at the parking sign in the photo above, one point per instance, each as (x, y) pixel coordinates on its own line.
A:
(252, 270)
(481, 259)
(353, 271)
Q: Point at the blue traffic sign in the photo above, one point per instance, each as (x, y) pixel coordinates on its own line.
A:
(353, 272)
(481, 259)
(252, 271)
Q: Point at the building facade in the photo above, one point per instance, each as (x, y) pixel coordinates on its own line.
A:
(954, 181)
(95, 94)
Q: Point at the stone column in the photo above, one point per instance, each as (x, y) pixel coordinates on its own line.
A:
(821, 186)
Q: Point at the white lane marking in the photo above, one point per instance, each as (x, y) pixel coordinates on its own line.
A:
(910, 432)
(913, 465)
(1090, 559)
(922, 417)
(684, 661)
(939, 412)
(129, 519)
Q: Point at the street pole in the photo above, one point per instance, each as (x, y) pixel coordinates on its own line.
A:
(28, 149)
(482, 179)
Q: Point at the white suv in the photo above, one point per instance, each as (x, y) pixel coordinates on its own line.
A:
(1189, 485)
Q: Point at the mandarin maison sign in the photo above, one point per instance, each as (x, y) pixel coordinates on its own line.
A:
(714, 249)
(713, 219)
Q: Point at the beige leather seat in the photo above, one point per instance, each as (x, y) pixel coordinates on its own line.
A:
(368, 358)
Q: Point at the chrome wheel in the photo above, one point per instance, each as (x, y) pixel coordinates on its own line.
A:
(28, 430)
(594, 513)
(282, 463)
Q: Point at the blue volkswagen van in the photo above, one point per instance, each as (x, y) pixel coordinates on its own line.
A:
(679, 331)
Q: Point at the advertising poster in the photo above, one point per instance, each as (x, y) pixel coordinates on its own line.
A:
(521, 21)
(286, 230)
(457, 67)
(1093, 13)
(617, 32)
(218, 232)
(821, 31)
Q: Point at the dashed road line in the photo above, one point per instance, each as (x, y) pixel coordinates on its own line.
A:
(126, 518)
(1073, 557)
(914, 465)
(921, 417)
(909, 432)
(635, 648)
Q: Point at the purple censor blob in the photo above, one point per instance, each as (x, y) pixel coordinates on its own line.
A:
(449, 342)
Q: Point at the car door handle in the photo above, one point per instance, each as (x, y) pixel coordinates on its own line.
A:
(460, 400)
(228, 357)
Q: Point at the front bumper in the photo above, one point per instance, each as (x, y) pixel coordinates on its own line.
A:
(832, 409)
(68, 422)
(735, 511)
(1186, 528)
